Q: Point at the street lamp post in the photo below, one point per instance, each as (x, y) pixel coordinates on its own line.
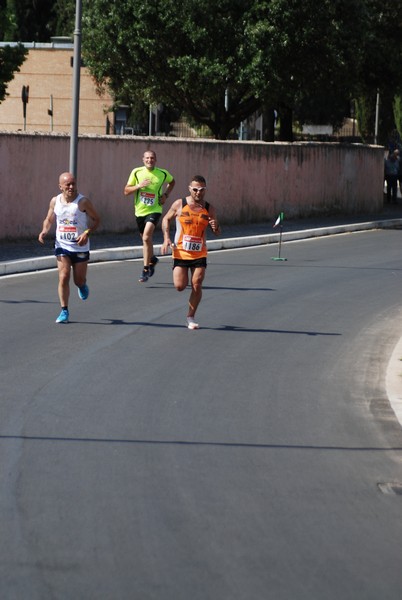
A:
(377, 117)
(76, 88)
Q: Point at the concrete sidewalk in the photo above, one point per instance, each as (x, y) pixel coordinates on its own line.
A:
(28, 255)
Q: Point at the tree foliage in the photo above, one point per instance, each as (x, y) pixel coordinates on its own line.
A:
(220, 62)
(381, 70)
(308, 54)
(186, 54)
(36, 20)
(29, 21)
(299, 57)
(11, 58)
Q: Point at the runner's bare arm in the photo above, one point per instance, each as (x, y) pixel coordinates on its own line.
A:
(171, 214)
(48, 222)
(213, 221)
(130, 189)
(87, 206)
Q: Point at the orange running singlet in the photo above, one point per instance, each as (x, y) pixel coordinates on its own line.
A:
(191, 226)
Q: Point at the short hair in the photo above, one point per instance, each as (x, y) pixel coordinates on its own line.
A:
(151, 151)
(199, 179)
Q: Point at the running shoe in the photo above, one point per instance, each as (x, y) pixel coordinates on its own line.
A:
(191, 324)
(63, 316)
(154, 262)
(144, 276)
(83, 292)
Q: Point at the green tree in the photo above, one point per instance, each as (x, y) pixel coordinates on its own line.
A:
(189, 54)
(220, 62)
(308, 54)
(11, 58)
(381, 69)
(37, 20)
(29, 21)
(398, 113)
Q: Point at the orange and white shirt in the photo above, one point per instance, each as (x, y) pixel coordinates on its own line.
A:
(190, 237)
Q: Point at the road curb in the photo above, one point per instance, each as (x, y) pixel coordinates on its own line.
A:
(393, 381)
(41, 263)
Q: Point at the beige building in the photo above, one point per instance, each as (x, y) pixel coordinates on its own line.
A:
(48, 71)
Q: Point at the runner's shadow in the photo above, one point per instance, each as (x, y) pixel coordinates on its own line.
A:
(238, 289)
(25, 302)
(224, 328)
(217, 287)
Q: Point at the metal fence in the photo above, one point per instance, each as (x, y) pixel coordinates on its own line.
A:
(248, 131)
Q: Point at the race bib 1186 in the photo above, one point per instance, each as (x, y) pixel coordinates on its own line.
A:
(192, 243)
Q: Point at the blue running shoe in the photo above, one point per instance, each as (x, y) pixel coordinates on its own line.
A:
(154, 262)
(63, 316)
(83, 292)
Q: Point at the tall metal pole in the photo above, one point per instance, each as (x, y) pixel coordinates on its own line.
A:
(76, 88)
(377, 117)
(150, 121)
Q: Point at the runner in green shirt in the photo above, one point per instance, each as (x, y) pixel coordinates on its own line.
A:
(146, 183)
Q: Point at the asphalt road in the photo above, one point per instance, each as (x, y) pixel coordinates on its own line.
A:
(248, 460)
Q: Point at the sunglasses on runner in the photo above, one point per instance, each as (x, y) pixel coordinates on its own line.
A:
(198, 189)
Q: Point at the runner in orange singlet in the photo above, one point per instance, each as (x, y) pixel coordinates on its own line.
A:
(189, 249)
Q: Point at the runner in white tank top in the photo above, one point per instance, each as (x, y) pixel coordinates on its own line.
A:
(71, 211)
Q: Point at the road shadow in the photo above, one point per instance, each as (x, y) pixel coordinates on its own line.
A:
(222, 328)
(216, 444)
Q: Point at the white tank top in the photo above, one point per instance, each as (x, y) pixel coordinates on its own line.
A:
(71, 223)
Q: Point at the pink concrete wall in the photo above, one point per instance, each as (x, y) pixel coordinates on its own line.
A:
(247, 181)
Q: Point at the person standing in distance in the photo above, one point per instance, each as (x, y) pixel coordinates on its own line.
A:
(70, 210)
(146, 184)
(193, 215)
(391, 175)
